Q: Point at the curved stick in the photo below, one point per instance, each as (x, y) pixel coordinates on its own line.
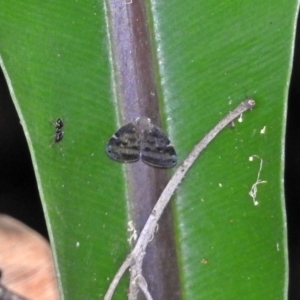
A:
(148, 230)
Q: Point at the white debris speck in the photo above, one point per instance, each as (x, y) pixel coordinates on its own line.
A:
(253, 191)
(133, 231)
(263, 131)
(240, 119)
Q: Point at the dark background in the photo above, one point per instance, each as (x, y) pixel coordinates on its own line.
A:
(18, 189)
(19, 195)
(292, 173)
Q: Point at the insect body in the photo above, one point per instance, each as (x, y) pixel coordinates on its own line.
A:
(59, 134)
(59, 124)
(142, 140)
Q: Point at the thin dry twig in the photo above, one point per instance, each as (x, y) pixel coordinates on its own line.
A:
(137, 254)
(144, 287)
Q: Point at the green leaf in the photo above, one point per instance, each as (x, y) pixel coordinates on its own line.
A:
(61, 60)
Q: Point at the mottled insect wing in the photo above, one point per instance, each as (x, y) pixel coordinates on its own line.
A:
(124, 144)
(156, 149)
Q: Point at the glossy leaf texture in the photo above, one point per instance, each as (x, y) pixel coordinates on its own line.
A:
(58, 58)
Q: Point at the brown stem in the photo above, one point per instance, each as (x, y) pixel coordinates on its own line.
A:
(136, 92)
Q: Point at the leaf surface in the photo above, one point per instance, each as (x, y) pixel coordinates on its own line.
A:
(60, 62)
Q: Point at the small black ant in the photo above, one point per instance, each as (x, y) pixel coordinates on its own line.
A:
(59, 134)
